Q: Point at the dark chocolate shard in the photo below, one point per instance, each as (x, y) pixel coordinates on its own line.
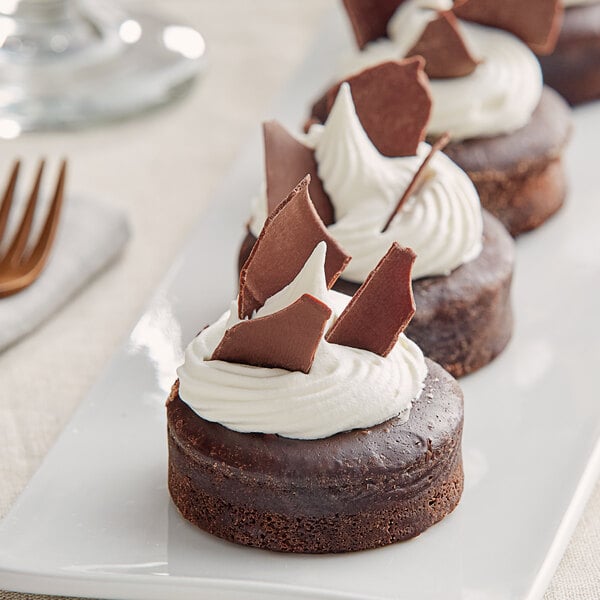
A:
(382, 307)
(393, 104)
(369, 18)
(320, 109)
(285, 243)
(536, 22)
(419, 177)
(286, 161)
(286, 339)
(444, 49)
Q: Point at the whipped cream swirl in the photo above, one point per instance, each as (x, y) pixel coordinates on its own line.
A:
(498, 97)
(346, 388)
(441, 221)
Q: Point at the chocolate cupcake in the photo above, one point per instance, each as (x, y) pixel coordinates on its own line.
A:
(375, 181)
(507, 131)
(306, 421)
(573, 68)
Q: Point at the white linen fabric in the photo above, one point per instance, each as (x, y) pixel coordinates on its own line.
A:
(89, 237)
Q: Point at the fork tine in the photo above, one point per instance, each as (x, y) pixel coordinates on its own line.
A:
(42, 247)
(9, 193)
(15, 251)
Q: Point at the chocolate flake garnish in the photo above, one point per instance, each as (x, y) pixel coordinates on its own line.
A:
(286, 339)
(419, 177)
(286, 161)
(444, 49)
(369, 18)
(382, 307)
(286, 241)
(536, 22)
(393, 104)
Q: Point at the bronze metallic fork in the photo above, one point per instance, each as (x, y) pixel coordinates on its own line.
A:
(24, 260)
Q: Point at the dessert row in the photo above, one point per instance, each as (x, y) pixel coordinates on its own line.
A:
(321, 413)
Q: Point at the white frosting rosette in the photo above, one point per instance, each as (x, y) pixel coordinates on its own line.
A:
(346, 388)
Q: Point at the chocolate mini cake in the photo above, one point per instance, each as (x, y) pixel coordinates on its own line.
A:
(573, 69)
(374, 183)
(507, 131)
(305, 421)
(355, 490)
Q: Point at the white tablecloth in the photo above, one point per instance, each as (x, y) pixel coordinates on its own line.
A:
(162, 169)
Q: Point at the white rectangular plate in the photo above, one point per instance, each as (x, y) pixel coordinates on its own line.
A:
(96, 519)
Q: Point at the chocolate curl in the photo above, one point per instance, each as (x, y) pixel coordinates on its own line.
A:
(286, 339)
(418, 178)
(308, 123)
(369, 18)
(382, 307)
(286, 161)
(444, 49)
(536, 22)
(393, 104)
(320, 109)
(285, 243)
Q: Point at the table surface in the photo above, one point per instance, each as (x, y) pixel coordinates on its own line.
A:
(162, 169)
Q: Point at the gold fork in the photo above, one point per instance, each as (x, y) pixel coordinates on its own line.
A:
(20, 267)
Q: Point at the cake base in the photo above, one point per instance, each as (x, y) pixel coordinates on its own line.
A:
(356, 490)
(520, 177)
(463, 321)
(573, 69)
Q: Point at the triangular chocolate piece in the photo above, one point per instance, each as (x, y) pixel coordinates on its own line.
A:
(286, 339)
(382, 307)
(418, 177)
(286, 241)
(536, 22)
(393, 104)
(286, 161)
(369, 18)
(444, 49)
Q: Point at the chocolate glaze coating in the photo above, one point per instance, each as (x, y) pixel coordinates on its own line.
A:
(464, 320)
(355, 490)
(519, 176)
(573, 69)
